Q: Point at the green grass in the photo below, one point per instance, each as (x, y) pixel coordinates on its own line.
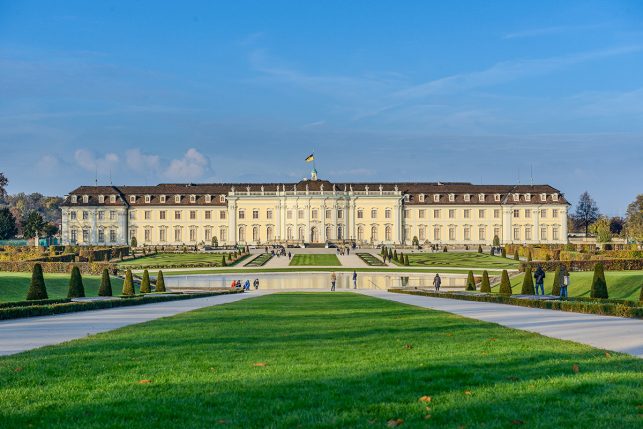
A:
(370, 259)
(174, 259)
(260, 260)
(325, 361)
(319, 260)
(462, 259)
(620, 284)
(14, 286)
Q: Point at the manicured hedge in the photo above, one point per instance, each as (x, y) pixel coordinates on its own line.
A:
(33, 303)
(370, 259)
(182, 265)
(91, 268)
(608, 265)
(594, 306)
(68, 306)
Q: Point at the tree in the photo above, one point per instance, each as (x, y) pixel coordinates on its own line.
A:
(33, 225)
(496, 241)
(528, 283)
(160, 282)
(133, 242)
(76, 288)
(50, 229)
(634, 219)
(503, 252)
(415, 241)
(602, 230)
(516, 257)
(471, 282)
(8, 227)
(555, 284)
(223, 262)
(3, 186)
(599, 285)
(485, 285)
(37, 288)
(505, 284)
(641, 294)
(617, 224)
(128, 284)
(105, 284)
(586, 211)
(406, 260)
(395, 255)
(145, 283)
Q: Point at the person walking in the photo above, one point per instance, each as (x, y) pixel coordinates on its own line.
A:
(539, 276)
(333, 280)
(256, 284)
(564, 281)
(437, 281)
(354, 279)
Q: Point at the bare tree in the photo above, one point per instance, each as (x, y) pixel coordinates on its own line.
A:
(586, 211)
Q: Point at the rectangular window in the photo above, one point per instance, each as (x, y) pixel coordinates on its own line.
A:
(527, 233)
(554, 213)
(162, 237)
(467, 233)
(481, 234)
(516, 213)
(255, 214)
(72, 215)
(193, 198)
(162, 214)
(554, 233)
(85, 215)
(407, 214)
(132, 199)
(177, 199)
(340, 214)
(85, 236)
(74, 199)
(481, 213)
(436, 198)
(242, 214)
(222, 214)
(543, 233)
(543, 213)
(527, 213)
(208, 199)
(516, 234)
(289, 214)
(177, 235)
(421, 213)
(112, 215)
(387, 213)
(192, 214)
(222, 198)
(193, 234)
(300, 214)
(208, 214)
(112, 199)
(148, 214)
(112, 236)
(328, 214)
(451, 213)
(436, 234)
(208, 234)
(360, 214)
(148, 235)
(162, 199)
(101, 199)
(132, 214)
(373, 213)
(436, 214)
(313, 213)
(269, 214)
(148, 199)
(101, 236)
(452, 233)
(101, 215)
(496, 213)
(496, 232)
(177, 214)
(73, 235)
(467, 213)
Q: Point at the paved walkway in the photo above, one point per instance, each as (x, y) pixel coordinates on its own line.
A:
(605, 332)
(29, 333)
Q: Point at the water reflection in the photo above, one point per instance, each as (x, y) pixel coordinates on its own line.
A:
(315, 281)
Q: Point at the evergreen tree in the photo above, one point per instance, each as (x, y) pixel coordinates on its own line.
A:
(160, 282)
(223, 263)
(529, 259)
(505, 284)
(516, 257)
(390, 254)
(504, 252)
(8, 227)
(37, 288)
(471, 281)
(105, 284)
(485, 286)
(395, 256)
(479, 248)
(445, 250)
(76, 288)
(128, 284)
(406, 260)
(555, 284)
(496, 241)
(33, 224)
(145, 283)
(528, 283)
(599, 285)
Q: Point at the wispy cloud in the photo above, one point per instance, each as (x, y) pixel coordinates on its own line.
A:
(553, 30)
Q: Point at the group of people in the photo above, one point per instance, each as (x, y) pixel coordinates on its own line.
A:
(245, 285)
(333, 280)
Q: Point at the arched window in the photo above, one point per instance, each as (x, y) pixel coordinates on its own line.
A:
(422, 233)
(329, 233)
(255, 233)
(242, 233)
(223, 234)
(269, 233)
(340, 234)
(300, 235)
(289, 233)
(360, 233)
(374, 233)
(387, 233)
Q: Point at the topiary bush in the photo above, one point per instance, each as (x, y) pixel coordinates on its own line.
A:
(528, 283)
(105, 284)
(145, 283)
(160, 282)
(395, 257)
(445, 250)
(37, 288)
(471, 281)
(529, 258)
(406, 260)
(128, 284)
(555, 285)
(504, 253)
(505, 284)
(76, 288)
(479, 248)
(223, 262)
(599, 285)
(516, 257)
(485, 285)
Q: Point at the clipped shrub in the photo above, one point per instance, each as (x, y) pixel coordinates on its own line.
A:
(37, 288)
(145, 283)
(504, 253)
(599, 285)
(76, 288)
(445, 250)
(516, 257)
(479, 248)
(529, 258)
(555, 285)
(128, 284)
(485, 285)
(471, 282)
(406, 260)
(505, 284)
(528, 283)
(105, 284)
(160, 282)
(641, 294)
(223, 262)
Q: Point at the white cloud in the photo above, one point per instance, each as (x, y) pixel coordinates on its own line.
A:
(139, 161)
(87, 160)
(192, 166)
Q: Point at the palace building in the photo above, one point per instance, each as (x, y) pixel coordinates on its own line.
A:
(314, 211)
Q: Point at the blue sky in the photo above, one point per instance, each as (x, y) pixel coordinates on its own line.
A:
(380, 90)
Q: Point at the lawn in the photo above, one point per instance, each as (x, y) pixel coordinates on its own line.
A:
(620, 284)
(318, 260)
(320, 361)
(462, 259)
(174, 260)
(14, 286)
(260, 260)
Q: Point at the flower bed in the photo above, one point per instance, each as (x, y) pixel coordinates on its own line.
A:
(592, 306)
(371, 260)
(67, 306)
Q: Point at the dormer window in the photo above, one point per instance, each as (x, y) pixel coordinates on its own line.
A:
(496, 197)
(516, 197)
(481, 198)
(527, 197)
(208, 199)
(193, 198)
(177, 198)
(421, 198)
(112, 199)
(101, 199)
(451, 197)
(74, 199)
(436, 198)
(467, 197)
(148, 199)
(407, 198)
(132, 198)
(554, 197)
(85, 199)
(543, 197)
(222, 198)
(162, 199)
